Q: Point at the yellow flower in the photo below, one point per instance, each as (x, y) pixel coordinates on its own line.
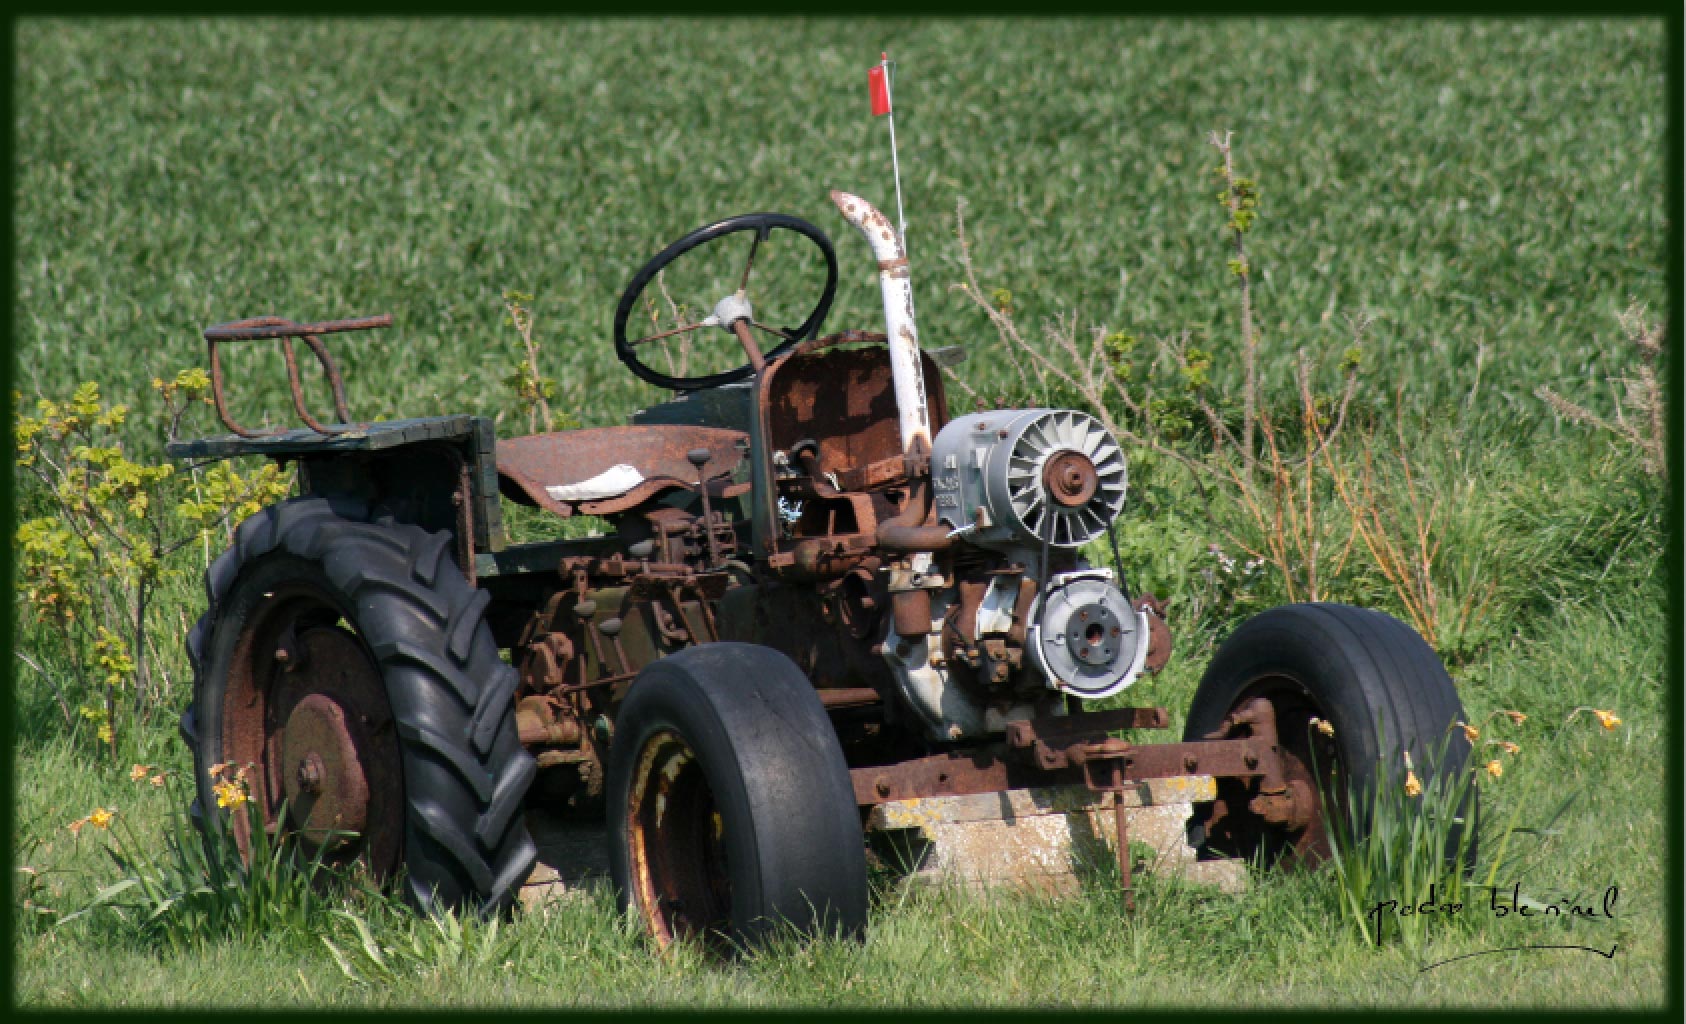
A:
(101, 818)
(217, 769)
(157, 780)
(139, 772)
(105, 733)
(1323, 727)
(1413, 786)
(230, 794)
(1470, 732)
(1516, 717)
(1607, 719)
(1494, 768)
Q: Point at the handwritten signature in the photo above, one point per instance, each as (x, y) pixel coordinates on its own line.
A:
(1499, 904)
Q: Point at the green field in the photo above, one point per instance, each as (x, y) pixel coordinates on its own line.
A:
(1492, 191)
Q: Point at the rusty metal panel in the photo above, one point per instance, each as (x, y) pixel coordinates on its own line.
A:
(843, 399)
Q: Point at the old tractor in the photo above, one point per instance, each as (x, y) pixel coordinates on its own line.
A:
(818, 592)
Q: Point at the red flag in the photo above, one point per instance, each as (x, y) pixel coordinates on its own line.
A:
(880, 90)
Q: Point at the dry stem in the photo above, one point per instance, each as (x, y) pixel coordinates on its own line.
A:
(1640, 394)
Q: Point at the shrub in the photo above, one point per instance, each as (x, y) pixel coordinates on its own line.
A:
(90, 568)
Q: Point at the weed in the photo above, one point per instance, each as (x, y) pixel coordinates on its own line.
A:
(407, 945)
(91, 568)
(228, 878)
(1407, 859)
(1641, 395)
(533, 391)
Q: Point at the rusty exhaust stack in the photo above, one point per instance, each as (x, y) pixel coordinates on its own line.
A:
(907, 531)
(905, 371)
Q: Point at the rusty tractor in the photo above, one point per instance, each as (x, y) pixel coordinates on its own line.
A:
(818, 593)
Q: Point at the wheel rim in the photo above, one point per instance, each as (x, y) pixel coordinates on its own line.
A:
(1310, 759)
(306, 707)
(676, 841)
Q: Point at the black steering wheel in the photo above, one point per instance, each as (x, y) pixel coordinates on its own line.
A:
(733, 314)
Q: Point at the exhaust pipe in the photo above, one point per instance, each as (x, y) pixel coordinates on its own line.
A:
(905, 370)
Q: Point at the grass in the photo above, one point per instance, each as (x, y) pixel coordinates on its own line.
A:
(1492, 190)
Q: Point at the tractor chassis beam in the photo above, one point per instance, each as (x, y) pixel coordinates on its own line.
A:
(1077, 750)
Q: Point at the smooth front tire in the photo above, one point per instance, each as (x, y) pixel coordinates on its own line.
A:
(1378, 688)
(731, 813)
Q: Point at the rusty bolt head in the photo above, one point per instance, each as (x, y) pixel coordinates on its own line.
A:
(882, 786)
(903, 650)
(1250, 760)
(310, 771)
(1190, 763)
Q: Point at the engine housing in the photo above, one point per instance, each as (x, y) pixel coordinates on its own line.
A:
(1015, 479)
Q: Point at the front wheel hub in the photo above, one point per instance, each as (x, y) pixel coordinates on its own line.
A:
(680, 880)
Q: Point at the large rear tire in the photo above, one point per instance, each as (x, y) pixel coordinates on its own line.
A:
(349, 664)
(731, 814)
(1376, 683)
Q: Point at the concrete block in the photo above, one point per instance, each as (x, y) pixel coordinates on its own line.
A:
(1045, 839)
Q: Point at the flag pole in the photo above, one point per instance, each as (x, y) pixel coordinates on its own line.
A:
(895, 161)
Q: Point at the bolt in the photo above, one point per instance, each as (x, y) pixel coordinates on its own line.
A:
(903, 650)
(882, 785)
(1250, 760)
(1002, 433)
(310, 773)
(1190, 763)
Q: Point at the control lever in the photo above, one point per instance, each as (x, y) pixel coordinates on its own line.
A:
(699, 457)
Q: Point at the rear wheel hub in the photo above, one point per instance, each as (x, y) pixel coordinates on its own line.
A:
(327, 791)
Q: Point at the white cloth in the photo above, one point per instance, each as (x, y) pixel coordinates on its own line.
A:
(612, 481)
